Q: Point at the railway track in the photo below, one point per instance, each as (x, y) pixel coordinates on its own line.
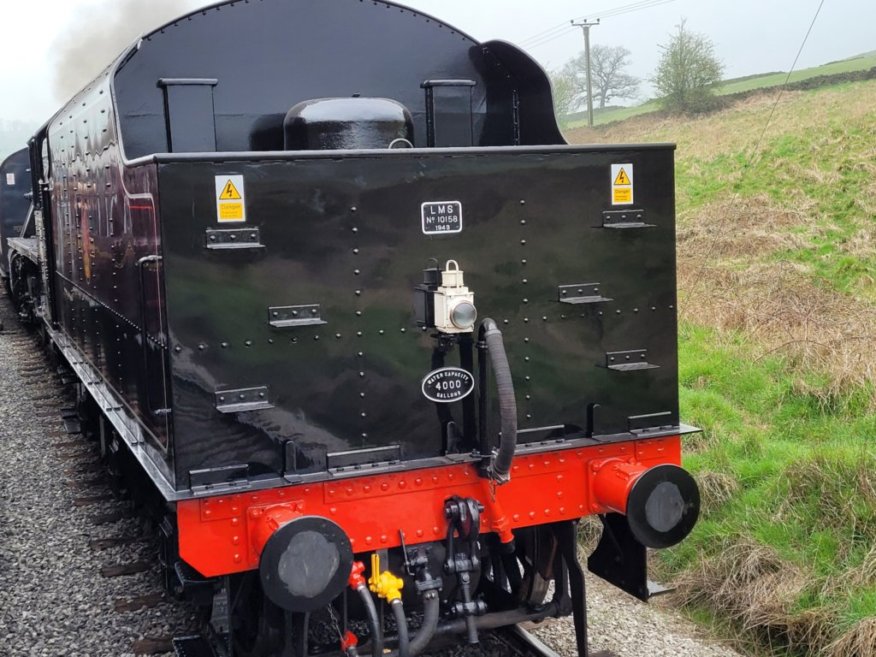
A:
(79, 566)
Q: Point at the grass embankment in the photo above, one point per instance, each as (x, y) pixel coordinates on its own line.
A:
(777, 277)
(733, 86)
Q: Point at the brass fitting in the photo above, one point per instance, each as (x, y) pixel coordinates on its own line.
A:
(384, 584)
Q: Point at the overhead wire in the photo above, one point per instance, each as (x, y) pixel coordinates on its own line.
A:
(698, 278)
(553, 33)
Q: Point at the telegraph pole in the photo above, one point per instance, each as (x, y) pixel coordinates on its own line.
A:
(585, 25)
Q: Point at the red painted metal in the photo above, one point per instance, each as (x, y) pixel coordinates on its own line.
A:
(224, 534)
(613, 482)
(357, 579)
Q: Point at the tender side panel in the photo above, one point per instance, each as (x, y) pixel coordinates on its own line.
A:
(341, 242)
(107, 263)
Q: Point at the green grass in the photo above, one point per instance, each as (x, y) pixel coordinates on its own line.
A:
(861, 62)
(858, 63)
(801, 471)
(828, 169)
(790, 427)
(805, 468)
(610, 115)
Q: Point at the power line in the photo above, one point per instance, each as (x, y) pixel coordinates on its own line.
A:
(553, 33)
(787, 80)
(615, 11)
(750, 161)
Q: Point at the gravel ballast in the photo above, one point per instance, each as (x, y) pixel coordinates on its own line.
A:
(55, 602)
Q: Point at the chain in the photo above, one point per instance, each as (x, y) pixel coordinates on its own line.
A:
(336, 622)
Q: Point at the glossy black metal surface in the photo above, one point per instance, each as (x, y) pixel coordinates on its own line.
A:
(345, 234)
(267, 56)
(287, 344)
(14, 201)
(347, 123)
(103, 232)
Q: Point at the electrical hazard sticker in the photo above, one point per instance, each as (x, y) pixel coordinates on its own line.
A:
(621, 184)
(230, 199)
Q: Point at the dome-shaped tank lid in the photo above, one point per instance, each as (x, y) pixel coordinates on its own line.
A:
(347, 123)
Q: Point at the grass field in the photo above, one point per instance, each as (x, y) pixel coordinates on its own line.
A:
(777, 277)
(858, 63)
(861, 62)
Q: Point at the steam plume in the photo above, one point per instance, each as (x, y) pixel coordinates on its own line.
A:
(100, 31)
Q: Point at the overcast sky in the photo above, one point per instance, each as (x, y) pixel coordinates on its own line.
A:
(750, 36)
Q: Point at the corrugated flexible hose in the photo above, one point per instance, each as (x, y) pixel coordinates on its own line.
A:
(500, 466)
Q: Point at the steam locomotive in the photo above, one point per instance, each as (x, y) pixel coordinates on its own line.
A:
(365, 335)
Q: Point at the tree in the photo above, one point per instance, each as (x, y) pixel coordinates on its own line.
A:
(565, 93)
(607, 64)
(687, 71)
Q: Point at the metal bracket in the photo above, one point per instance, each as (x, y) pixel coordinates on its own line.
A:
(620, 219)
(649, 422)
(583, 293)
(292, 316)
(363, 457)
(216, 239)
(211, 479)
(243, 399)
(627, 361)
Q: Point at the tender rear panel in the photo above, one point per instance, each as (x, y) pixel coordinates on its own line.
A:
(340, 241)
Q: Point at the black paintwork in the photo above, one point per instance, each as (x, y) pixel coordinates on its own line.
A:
(270, 55)
(14, 201)
(346, 234)
(346, 124)
(144, 285)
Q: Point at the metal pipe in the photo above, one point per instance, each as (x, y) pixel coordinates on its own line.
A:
(501, 619)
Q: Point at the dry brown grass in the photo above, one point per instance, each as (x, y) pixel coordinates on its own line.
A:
(716, 489)
(865, 574)
(730, 273)
(858, 641)
(739, 127)
(730, 279)
(739, 229)
(777, 304)
(589, 533)
(838, 491)
(751, 585)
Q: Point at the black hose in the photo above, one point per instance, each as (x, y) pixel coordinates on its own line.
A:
(404, 644)
(373, 622)
(501, 463)
(431, 616)
(431, 612)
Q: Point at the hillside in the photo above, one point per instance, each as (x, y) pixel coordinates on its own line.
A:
(777, 276)
(747, 84)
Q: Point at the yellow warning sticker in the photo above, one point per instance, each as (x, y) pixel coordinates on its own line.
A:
(230, 211)
(230, 199)
(230, 193)
(622, 184)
